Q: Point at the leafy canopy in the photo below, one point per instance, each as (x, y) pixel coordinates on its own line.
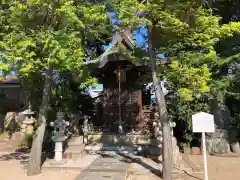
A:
(185, 32)
(36, 33)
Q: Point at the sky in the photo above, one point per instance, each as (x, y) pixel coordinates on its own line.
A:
(138, 36)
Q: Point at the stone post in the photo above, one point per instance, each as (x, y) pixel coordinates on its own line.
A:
(155, 149)
(156, 142)
(85, 130)
(174, 144)
(59, 137)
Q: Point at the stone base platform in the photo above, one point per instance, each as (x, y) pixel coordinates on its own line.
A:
(79, 163)
(183, 164)
(117, 139)
(123, 166)
(75, 148)
(106, 148)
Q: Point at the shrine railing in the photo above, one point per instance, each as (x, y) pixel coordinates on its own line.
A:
(113, 129)
(143, 125)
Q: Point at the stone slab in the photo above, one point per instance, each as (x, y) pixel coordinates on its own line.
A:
(113, 139)
(105, 168)
(101, 176)
(80, 163)
(75, 141)
(103, 148)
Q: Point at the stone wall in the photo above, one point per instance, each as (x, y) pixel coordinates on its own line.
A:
(217, 142)
(123, 139)
(221, 117)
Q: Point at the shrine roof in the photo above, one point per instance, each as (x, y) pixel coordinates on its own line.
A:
(122, 43)
(114, 52)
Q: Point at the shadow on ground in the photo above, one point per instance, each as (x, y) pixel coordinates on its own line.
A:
(14, 155)
(19, 154)
(129, 159)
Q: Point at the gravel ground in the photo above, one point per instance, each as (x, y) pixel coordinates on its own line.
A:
(12, 170)
(221, 168)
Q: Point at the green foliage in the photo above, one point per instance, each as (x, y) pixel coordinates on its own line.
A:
(188, 34)
(226, 79)
(40, 35)
(37, 33)
(62, 34)
(190, 82)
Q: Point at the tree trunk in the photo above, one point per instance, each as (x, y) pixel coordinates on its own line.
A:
(163, 116)
(35, 159)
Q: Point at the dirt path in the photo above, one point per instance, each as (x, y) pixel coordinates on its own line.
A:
(12, 170)
(220, 168)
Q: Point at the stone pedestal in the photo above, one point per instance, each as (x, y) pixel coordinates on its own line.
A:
(58, 151)
(174, 145)
(85, 130)
(175, 150)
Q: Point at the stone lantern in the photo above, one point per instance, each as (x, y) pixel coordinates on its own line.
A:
(59, 137)
(27, 126)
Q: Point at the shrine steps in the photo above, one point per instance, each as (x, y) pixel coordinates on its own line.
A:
(101, 148)
(75, 151)
(75, 148)
(113, 139)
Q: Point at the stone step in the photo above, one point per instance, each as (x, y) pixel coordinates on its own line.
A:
(72, 164)
(74, 151)
(73, 156)
(102, 148)
(74, 141)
